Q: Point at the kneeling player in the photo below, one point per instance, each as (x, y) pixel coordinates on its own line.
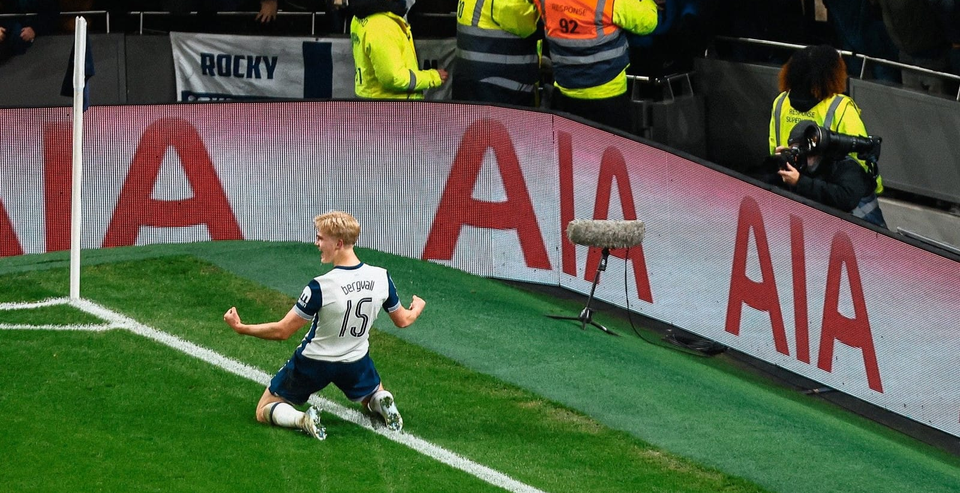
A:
(342, 304)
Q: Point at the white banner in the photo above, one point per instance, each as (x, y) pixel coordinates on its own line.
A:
(215, 67)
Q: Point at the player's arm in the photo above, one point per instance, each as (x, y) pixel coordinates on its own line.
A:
(280, 330)
(403, 317)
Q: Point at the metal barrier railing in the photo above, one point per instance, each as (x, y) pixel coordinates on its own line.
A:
(864, 58)
(143, 14)
(72, 13)
(280, 13)
(665, 81)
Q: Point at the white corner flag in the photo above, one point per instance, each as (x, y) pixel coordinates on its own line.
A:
(79, 81)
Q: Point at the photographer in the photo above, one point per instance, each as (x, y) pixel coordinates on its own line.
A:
(812, 83)
(817, 166)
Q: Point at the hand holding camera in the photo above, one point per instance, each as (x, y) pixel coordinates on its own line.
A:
(809, 139)
(789, 160)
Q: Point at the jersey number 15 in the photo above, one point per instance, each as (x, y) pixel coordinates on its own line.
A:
(358, 328)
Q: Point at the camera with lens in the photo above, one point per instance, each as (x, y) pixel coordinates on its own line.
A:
(794, 156)
(809, 139)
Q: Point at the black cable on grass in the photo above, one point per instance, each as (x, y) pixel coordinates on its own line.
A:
(674, 344)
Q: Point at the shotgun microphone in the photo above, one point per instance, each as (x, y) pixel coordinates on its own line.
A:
(605, 233)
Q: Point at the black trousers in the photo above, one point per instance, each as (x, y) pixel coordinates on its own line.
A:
(613, 112)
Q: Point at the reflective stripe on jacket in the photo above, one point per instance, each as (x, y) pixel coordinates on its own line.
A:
(495, 43)
(588, 47)
(385, 60)
(838, 113)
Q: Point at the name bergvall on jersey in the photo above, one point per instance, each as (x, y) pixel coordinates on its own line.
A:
(358, 286)
(357, 293)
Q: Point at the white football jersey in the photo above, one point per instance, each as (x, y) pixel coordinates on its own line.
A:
(344, 304)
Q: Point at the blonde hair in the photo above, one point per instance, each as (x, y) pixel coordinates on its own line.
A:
(340, 225)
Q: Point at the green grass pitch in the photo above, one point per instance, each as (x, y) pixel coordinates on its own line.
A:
(114, 411)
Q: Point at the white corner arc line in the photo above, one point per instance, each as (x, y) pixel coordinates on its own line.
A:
(440, 454)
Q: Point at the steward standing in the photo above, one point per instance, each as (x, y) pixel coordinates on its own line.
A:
(497, 56)
(589, 52)
(384, 57)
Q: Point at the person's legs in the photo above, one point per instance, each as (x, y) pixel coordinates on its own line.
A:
(360, 382)
(382, 403)
(612, 112)
(292, 385)
(273, 410)
(276, 411)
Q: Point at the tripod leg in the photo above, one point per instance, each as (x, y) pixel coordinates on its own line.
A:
(586, 315)
(608, 331)
(568, 317)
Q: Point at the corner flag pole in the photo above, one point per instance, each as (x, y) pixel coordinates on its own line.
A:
(76, 216)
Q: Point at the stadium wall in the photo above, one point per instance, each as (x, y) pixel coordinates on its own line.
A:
(490, 190)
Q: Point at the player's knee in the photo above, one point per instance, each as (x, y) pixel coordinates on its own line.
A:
(261, 411)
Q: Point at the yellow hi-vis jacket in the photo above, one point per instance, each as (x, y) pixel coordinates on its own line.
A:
(838, 113)
(385, 60)
(495, 43)
(517, 17)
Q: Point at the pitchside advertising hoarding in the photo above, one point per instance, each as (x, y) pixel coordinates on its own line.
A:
(490, 190)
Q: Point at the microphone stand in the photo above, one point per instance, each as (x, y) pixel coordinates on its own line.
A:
(586, 315)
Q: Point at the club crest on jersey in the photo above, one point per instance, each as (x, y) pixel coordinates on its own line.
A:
(357, 286)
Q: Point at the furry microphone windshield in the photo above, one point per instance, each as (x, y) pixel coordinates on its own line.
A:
(606, 233)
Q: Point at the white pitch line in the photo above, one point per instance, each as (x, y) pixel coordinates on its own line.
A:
(354, 416)
(34, 304)
(29, 305)
(81, 328)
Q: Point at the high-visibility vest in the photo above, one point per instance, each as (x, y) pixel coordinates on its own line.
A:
(495, 43)
(838, 113)
(587, 49)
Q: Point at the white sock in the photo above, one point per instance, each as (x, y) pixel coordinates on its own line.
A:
(283, 414)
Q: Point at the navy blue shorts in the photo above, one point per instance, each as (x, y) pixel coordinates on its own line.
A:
(302, 376)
